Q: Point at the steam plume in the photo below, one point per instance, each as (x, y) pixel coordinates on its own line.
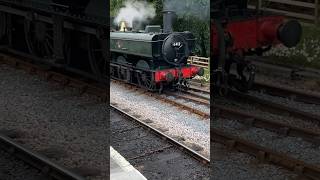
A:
(140, 11)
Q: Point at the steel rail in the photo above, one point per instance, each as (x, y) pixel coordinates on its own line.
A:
(195, 94)
(84, 87)
(296, 95)
(190, 97)
(265, 155)
(166, 100)
(196, 89)
(37, 160)
(74, 82)
(68, 81)
(274, 107)
(185, 148)
(87, 87)
(273, 126)
(263, 64)
(252, 120)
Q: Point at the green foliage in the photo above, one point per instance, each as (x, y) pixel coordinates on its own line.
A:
(305, 54)
(115, 6)
(159, 7)
(200, 29)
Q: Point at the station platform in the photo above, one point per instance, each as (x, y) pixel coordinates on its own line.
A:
(121, 169)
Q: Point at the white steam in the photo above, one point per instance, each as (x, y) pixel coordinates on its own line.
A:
(133, 10)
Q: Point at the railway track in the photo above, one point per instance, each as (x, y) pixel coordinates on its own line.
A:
(14, 168)
(273, 107)
(189, 96)
(36, 160)
(92, 87)
(166, 99)
(83, 85)
(77, 160)
(295, 95)
(203, 89)
(294, 72)
(263, 154)
(89, 87)
(167, 113)
(152, 152)
(251, 119)
(266, 155)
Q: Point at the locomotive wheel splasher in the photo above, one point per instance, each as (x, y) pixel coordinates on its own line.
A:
(145, 78)
(4, 28)
(96, 56)
(39, 38)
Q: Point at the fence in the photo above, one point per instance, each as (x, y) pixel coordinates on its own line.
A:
(307, 10)
(199, 61)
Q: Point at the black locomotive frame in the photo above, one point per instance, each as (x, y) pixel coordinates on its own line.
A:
(64, 26)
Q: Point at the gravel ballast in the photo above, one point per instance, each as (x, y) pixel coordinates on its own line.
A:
(292, 146)
(281, 118)
(176, 122)
(135, 144)
(234, 165)
(52, 117)
(310, 108)
(310, 85)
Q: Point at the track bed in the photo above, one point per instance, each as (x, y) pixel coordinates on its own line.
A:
(153, 156)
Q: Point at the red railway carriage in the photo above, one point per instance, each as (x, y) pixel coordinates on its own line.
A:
(237, 32)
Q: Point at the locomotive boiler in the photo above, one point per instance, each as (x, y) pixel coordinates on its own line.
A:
(153, 58)
(237, 32)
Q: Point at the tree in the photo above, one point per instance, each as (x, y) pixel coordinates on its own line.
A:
(115, 6)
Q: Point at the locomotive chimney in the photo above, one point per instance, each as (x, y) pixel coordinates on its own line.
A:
(168, 19)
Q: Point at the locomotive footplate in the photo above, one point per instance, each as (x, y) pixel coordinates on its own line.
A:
(154, 80)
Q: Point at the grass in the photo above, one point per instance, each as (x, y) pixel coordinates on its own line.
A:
(305, 54)
(205, 78)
